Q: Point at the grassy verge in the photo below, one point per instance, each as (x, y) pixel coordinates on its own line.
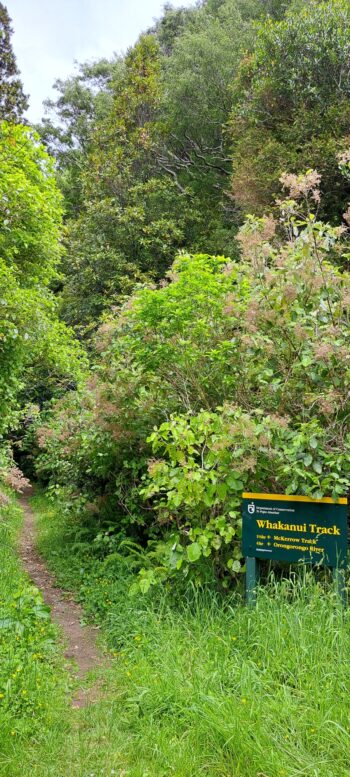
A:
(33, 681)
(205, 688)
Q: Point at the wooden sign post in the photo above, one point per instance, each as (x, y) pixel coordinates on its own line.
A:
(287, 528)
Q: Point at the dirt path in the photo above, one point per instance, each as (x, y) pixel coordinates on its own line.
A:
(80, 642)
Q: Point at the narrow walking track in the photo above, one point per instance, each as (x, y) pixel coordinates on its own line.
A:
(80, 642)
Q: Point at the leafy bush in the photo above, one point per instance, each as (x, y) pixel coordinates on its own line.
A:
(233, 374)
(38, 357)
(30, 206)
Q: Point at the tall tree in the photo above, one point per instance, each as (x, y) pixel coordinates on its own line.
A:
(37, 352)
(132, 219)
(144, 154)
(68, 124)
(292, 105)
(13, 101)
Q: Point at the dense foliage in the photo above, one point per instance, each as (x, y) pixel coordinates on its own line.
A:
(165, 148)
(228, 374)
(38, 355)
(291, 106)
(208, 354)
(144, 155)
(208, 373)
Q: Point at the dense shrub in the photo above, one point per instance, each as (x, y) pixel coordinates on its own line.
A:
(229, 374)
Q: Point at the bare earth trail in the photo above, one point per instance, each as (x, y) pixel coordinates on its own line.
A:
(80, 641)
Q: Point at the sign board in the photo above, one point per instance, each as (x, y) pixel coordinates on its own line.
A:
(295, 528)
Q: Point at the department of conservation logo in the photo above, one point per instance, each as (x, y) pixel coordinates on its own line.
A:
(251, 508)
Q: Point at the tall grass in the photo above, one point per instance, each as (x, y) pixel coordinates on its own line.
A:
(206, 686)
(202, 686)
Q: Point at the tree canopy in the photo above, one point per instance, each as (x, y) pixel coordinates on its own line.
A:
(38, 354)
(13, 101)
(291, 108)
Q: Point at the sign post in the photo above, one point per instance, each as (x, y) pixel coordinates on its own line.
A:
(252, 579)
(279, 527)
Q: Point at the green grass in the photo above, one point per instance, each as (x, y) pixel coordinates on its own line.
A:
(203, 687)
(33, 680)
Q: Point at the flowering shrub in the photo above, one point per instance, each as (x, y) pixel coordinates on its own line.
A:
(14, 478)
(229, 375)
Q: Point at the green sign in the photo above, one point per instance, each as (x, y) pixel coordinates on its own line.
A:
(295, 528)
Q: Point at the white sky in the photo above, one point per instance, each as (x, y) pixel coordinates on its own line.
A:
(50, 34)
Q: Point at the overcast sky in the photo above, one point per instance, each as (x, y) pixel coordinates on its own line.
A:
(50, 34)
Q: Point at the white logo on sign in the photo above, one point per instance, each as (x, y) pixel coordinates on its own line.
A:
(251, 508)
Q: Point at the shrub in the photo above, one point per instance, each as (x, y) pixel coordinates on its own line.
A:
(232, 374)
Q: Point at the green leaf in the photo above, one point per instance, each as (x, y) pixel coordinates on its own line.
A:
(307, 459)
(194, 552)
(145, 584)
(234, 484)
(221, 491)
